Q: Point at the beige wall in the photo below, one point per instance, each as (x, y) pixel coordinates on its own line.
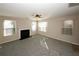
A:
(20, 24)
(54, 29)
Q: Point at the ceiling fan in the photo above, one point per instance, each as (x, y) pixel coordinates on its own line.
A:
(37, 15)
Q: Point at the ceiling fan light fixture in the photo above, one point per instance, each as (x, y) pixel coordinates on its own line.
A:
(38, 16)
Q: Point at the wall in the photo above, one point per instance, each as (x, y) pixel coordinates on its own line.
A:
(20, 24)
(54, 29)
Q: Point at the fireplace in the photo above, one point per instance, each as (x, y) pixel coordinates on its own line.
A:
(24, 34)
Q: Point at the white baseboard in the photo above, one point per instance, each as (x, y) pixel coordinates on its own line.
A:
(61, 40)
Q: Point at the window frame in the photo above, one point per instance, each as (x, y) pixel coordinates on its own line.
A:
(34, 25)
(43, 28)
(14, 22)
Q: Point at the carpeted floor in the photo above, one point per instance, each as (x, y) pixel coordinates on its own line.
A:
(37, 45)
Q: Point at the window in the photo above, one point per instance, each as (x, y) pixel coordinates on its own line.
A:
(9, 27)
(33, 26)
(42, 26)
(67, 28)
(68, 24)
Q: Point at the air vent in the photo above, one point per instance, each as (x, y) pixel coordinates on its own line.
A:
(73, 4)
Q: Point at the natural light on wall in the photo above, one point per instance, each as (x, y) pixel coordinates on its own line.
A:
(9, 27)
(33, 26)
(42, 26)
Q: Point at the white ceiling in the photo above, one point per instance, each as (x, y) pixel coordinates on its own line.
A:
(47, 10)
